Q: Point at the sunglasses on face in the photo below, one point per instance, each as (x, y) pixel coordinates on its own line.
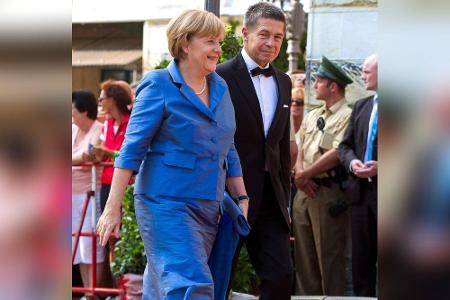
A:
(297, 102)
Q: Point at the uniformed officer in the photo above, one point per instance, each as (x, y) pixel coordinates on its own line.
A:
(320, 218)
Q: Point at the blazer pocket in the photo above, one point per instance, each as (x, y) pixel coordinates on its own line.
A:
(180, 159)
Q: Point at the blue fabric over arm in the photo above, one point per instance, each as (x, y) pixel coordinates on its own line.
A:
(232, 225)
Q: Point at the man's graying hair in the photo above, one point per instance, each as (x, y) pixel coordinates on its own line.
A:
(263, 10)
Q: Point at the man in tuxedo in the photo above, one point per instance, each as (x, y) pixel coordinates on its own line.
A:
(261, 96)
(358, 153)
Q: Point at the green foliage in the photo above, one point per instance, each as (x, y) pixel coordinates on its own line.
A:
(129, 249)
(245, 279)
(162, 64)
(301, 58)
(282, 62)
(232, 43)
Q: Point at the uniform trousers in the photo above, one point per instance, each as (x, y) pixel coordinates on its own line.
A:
(320, 242)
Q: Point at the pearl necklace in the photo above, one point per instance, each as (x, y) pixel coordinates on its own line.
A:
(203, 89)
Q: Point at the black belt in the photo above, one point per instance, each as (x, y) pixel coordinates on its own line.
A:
(325, 181)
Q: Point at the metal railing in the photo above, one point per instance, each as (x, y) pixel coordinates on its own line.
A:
(90, 196)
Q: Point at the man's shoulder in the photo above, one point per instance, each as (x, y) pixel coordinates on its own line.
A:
(314, 113)
(362, 102)
(281, 73)
(225, 66)
(345, 109)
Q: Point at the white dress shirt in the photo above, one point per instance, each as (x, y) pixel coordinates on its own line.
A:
(266, 90)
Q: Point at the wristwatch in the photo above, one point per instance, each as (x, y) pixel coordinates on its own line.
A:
(242, 197)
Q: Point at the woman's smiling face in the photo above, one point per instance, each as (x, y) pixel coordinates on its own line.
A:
(203, 52)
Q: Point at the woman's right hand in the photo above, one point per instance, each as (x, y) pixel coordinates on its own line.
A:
(109, 224)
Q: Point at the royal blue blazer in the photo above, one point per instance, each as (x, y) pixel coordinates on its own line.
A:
(176, 144)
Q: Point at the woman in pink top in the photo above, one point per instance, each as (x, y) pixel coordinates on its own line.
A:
(85, 130)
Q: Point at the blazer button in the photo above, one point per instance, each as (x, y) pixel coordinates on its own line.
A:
(214, 123)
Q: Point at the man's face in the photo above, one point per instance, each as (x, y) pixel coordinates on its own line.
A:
(263, 41)
(370, 73)
(322, 88)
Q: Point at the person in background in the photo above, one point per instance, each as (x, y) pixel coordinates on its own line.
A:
(298, 78)
(293, 146)
(180, 142)
(320, 219)
(115, 99)
(85, 130)
(359, 155)
(297, 107)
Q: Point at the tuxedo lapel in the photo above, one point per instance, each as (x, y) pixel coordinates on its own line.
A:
(282, 93)
(245, 84)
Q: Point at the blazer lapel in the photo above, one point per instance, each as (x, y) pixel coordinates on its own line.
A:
(247, 88)
(186, 91)
(216, 90)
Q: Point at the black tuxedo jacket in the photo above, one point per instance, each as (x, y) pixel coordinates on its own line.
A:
(353, 146)
(254, 149)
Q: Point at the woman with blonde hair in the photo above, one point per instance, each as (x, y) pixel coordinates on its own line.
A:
(297, 107)
(180, 142)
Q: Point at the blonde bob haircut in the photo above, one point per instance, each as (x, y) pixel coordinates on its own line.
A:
(189, 23)
(298, 93)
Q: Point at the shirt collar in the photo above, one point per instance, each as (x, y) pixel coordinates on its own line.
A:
(125, 119)
(335, 107)
(123, 122)
(175, 72)
(249, 62)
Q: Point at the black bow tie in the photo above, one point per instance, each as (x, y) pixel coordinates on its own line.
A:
(266, 72)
